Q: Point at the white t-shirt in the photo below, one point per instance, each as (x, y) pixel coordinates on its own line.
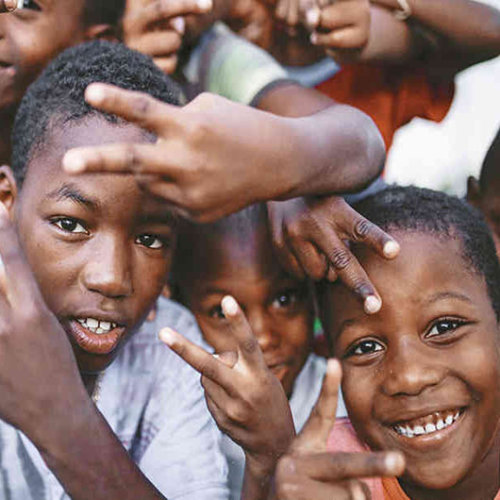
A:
(155, 404)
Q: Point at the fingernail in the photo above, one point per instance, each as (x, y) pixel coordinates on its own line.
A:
(179, 24)
(229, 306)
(394, 463)
(332, 365)
(95, 94)
(391, 249)
(204, 4)
(314, 38)
(372, 304)
(73, 162)
(168, 336)
(312, 17)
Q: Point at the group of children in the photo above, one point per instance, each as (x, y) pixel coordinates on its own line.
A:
(116, 190)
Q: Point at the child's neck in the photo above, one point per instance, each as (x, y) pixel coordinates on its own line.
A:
(483, 483)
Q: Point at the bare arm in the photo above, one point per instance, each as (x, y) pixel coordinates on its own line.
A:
(43, 394)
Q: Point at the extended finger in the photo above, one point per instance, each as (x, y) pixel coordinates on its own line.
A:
(239, 328)
(18, 281)
(311, 260)
(337, 466)
(167, 64)
(136, 107)
(360, 230)
(293, 486)
(350, 37)
(160, 10)
(158, 43)
(202, 361)
(314, 434)
(122, 158)
(349, 270)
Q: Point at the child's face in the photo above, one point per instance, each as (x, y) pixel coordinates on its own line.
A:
(30, 38)
(278, 307)
(99, 247)
(422, 375)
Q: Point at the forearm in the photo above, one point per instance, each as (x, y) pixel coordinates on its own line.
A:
(332, 148)
(256, 482)
(89, 461)
(469, 26)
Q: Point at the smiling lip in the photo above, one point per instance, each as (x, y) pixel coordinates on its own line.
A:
(95, 343)
(428, 428)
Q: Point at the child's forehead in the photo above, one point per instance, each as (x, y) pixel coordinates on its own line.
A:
(427, 266)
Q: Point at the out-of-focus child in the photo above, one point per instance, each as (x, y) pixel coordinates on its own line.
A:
(484, 193)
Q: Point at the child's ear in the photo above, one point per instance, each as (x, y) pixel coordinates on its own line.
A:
(8, 188)
(102, 32)
(473, 191)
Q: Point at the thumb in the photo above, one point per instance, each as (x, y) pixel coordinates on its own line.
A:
(314, 435)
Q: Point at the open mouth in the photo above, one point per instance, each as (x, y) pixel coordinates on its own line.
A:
(429, 424)
(96, 336)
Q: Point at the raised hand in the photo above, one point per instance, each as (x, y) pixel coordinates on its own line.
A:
(310, 233)
(245, 398)
(37, 367)
(156, 27)
(342, 27)
(212, 156)
(309, 472)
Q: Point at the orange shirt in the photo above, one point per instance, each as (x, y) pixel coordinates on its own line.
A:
(391, 96)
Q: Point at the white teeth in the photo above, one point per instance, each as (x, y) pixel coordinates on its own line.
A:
(430, 428)
(419, 430)
(96, 326)
(92, 323)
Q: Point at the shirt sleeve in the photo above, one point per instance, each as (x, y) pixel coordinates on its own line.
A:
(228, 65)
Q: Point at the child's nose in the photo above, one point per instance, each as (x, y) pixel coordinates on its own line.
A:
(410, 370)
(107, 271)
(263, 330)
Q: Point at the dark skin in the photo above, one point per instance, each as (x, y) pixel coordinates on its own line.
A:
(487, 202)
(278, 306)
(211, 141)
(28, 41)
(433, 347)
(113, 246)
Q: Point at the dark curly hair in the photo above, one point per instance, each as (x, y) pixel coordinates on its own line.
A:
(57, 96)
(445, 217)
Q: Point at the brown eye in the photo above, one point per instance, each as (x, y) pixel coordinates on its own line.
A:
(30, 5)
(365, 347)
(69, 225)
(444, 326)
(149, 241)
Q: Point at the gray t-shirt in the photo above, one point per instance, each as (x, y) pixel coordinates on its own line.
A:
(154, 403)
(304, 396)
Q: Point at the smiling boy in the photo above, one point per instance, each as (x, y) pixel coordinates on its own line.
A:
(99, 248)
(423, 375)
(33, 35)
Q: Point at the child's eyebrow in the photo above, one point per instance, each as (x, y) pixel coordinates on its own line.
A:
(447, 295)
(71, 192)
